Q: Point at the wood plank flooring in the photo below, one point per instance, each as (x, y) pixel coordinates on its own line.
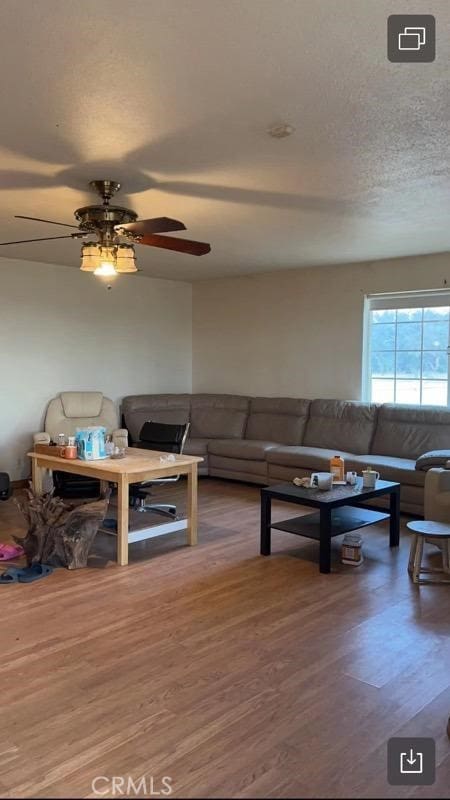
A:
(233, 674)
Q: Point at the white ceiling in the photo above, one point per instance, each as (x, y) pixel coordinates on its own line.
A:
(173, 98)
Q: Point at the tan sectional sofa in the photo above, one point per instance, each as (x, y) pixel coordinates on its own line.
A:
(267, 440)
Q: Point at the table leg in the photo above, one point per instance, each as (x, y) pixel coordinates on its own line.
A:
(37, 475)
(418, 560)
(192, 492)
(412, 553)
(266, 514)
(394, 522)
(122, 520)
(325, 540)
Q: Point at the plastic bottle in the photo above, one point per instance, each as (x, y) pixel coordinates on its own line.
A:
(337, 468)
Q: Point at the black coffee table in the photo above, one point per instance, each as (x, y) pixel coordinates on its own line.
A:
(340, 511)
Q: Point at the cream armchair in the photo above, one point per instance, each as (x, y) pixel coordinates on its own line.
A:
(437, 494)
(72, 410)
(66, 413)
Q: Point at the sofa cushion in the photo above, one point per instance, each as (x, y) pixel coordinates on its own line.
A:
(341, 424)
(218, 416)
(238, 467)
(196, 447)
(240, 448)
(277, 419)
(408, 431)
(137, 409)
(81, 404)
(435, 458)
(391, 468)
(313, 458)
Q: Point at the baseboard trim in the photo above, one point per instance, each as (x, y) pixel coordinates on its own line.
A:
(22, 484)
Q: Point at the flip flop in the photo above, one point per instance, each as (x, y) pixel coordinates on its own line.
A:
(11, 575)
(8, 551)
(34, 573)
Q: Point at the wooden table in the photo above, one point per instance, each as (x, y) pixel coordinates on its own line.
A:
(137, 466)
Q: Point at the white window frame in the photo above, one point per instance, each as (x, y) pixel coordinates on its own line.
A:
(394, 300)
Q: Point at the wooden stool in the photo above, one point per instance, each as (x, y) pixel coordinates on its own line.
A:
(437, 533)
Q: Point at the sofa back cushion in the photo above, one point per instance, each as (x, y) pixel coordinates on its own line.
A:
(409, 431)
(341, 425)
(218, 416)
(140, 408)
(277, 419)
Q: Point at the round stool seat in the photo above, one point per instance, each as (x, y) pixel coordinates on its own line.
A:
(436, 533)
(426, 527)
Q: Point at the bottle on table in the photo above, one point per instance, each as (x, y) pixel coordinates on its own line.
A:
(337, 468)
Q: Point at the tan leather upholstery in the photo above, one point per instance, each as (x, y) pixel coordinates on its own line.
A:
(83, 404)
(341, 424)
(409, 431)
(218, 415)
(240, 448)
(72, 410)
(277, 419)
(237, 465)
(390, 468)
(264, 439)
(198, 447)
(312, 458)
(173, 409)
(437, 495)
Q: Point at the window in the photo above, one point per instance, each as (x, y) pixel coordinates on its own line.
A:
(406, 348)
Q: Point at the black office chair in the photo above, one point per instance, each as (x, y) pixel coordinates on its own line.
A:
(166, 439)
(69, 486)
(5, 486)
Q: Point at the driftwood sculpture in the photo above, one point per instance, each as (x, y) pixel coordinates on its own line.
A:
(59, 534)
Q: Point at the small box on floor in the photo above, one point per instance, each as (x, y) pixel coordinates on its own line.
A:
(351, 552)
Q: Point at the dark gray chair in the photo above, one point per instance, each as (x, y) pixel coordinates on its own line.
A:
(5, 486)
(166, 439)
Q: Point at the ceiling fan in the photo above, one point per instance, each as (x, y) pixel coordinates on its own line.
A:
(117, 230)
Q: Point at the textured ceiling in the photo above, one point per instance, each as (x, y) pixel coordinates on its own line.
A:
(173, 98)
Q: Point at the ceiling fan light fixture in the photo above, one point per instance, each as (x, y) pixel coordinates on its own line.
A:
(106, 261)
(125, 259)
(89, 257)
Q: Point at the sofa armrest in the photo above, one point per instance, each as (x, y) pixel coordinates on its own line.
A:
(434, 458)
(120, 437)
(437, 495)
(41, 438)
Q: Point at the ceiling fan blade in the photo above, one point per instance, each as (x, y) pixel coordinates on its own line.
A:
(156, 225)
(45, 239)
(180, 245)
(50, 221)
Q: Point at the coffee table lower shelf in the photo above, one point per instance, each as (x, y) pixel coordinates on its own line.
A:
(343, 520)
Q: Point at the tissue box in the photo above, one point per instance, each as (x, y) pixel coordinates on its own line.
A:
(91, 443)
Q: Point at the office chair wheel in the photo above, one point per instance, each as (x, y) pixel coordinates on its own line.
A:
(159, 508)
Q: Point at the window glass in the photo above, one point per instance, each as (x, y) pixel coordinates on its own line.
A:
(407, 353)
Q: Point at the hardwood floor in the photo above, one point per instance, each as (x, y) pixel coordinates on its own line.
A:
(233, 674)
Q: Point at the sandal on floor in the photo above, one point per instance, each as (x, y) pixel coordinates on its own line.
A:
(11, 575)
(8, 551)
(34, 573)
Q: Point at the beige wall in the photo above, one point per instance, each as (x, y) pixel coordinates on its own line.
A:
(62, 329)
(295, 333)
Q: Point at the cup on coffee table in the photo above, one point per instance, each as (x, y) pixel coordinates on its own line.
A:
(322, 480)
(370, 478)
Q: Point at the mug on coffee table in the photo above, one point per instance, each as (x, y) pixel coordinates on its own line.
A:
(370, 478)
(322, 480)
